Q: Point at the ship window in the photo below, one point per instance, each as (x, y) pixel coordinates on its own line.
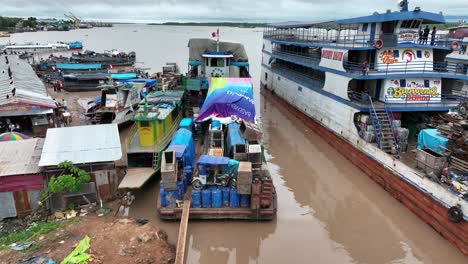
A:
(396, 53)
(217, 62)
(419, 54)
(279, 78)
(144, 124)
(364, 27)
(403, 83)
(299, 88)
(426, 83)
(266, 76)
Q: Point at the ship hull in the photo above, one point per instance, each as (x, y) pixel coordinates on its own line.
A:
(420, 203)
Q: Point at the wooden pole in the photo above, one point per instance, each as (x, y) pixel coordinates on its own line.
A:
(180, 253)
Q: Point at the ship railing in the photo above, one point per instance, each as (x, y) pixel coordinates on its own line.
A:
(296, 76)
(345, 39)
(417, 67)
(297, 56)
(362, 98)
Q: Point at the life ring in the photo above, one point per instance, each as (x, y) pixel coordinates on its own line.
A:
(455, 45)
(378, 44)
(455, 214)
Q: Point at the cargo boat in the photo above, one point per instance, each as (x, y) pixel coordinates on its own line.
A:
(361, 84)
(216, 157)
(49, 47)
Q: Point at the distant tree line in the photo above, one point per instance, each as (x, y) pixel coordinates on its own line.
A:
(11, 22)
(213, 24)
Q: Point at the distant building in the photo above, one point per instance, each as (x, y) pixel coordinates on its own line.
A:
(23, 97)
(92, 148)
(21, 179)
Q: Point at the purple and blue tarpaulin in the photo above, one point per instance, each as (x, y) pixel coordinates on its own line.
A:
(229, 97)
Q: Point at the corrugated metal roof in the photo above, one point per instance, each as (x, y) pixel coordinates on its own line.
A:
(29, 87)
(81, 144)
(20, 157)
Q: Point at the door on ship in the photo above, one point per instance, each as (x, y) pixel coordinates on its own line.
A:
(372, 32)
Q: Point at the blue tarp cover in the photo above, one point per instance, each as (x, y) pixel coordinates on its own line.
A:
(213, 160)
(149, 82)
(96, 100)
(186, 123)
(428, 138)
(182, 144)
(234, 136)
(123, 76)
(78, 66)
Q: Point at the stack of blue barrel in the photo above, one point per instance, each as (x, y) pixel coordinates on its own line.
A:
(214, 197)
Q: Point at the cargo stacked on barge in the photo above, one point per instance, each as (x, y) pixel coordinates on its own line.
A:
(367, 85)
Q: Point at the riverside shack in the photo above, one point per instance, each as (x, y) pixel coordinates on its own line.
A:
(94, 149)
(24, 100)
(21, 178)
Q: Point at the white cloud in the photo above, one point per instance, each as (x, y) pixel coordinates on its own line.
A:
(218, 10)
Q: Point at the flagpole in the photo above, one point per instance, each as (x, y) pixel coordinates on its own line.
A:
(217, 40)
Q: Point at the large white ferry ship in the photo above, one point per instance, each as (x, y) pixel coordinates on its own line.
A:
(48, 47)
(378, 71)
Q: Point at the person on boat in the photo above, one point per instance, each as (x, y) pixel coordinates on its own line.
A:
(421, 35)
(426, 34)
(64, 104)
(201, 99)
(365, 68)
(433, 36)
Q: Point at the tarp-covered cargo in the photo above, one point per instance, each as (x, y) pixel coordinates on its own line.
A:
(199, 46)
(234, 136)
(229, 98)
(182, 144)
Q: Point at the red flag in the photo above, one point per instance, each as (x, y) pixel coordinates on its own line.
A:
(213, 35)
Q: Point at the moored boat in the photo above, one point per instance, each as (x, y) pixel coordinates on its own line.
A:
(217, 162)
(368, 86)
(49, 47)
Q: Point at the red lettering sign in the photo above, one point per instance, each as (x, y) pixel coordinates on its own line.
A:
(332, 55)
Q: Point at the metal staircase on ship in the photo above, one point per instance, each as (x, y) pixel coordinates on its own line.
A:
(385, 132)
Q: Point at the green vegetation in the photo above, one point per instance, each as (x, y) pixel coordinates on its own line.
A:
(33, 232)
(71, 181)
(10, 23)
(213, 24)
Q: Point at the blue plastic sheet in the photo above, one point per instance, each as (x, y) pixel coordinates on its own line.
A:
(184, 147)
(186, 123)
(234, 136)
(213, 160)
(429, 139)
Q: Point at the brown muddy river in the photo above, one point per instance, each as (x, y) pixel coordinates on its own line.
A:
(329, 211)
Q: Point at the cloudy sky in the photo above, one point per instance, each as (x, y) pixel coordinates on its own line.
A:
(217, 10)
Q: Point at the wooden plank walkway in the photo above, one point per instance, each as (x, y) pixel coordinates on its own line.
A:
(180, 253)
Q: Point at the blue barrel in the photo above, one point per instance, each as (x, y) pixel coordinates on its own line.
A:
(171, 197)
(234, 198)
(225, 196)
(215, 124)
(188, 175)
(244, 200)
(216, 198)
(206, 198)
(196, 199)
(180, 190)
(162, 196)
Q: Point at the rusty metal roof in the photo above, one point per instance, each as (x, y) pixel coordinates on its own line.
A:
(81, 144)
(20, 157)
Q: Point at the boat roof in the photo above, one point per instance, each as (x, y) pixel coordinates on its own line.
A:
(217, 55)
(199, 47)
(77, 66)
(426, 17)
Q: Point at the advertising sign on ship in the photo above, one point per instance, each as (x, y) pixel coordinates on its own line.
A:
(408, 36)
(332, 58)
(412, 91)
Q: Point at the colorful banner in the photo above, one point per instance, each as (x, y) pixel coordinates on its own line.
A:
(229, 97)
